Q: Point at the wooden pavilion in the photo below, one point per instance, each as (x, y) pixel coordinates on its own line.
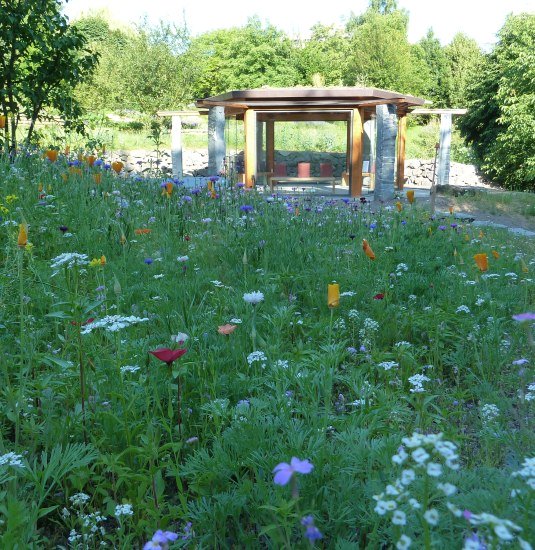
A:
(353, 105)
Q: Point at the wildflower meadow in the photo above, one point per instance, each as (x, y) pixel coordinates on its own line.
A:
(209, 366)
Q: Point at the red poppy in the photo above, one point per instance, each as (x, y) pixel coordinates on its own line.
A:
(90, 320)
(379, 296)
(168, 355)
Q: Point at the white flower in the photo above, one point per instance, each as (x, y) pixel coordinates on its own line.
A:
(462, 309)
(113, 323)
(129, 368)
(79, 498)
(434, 469)
(431, 516)
(348, 293)
(400, 457)
(381, 508)
(447, 488)
(182, 259)
(159, 276)
(414, 504)
(218, 284)
(179, 338)
(235, 321)
(254, 297)
(403, 543)
(417, 380)
(387, 365)
(257, 357)
(407, 477)
(503, 533)
(11, 459)
(399, 518)
(420, 455)
(123, 510)
(69, 260)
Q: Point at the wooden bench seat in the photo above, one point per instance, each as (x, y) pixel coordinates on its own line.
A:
(274, 180)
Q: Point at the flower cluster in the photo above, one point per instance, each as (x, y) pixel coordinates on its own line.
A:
(257, 357)
(69, 260)
(254, 297)
(113, 323)
(11, 459)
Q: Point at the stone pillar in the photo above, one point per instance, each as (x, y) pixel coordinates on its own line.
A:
(260, 147)
(176, 146)
(444, 150)
(216, 140)
(387, 128)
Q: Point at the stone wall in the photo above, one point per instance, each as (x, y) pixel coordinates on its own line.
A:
(419, 172)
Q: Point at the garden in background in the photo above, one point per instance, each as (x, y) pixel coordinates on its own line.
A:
(225, 368)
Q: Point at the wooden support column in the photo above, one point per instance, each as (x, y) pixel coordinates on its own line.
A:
(270, 145)
(355, 170)
(249, 122)
(402, 133)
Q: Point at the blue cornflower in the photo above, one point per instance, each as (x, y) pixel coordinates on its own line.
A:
(148, 261)
(246, 208)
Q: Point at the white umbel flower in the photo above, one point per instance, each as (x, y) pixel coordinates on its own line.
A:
(254, 297)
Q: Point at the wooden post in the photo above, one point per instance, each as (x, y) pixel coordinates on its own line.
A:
(402, 130)
(355, 171)
(249, 122)
(176, 146)
(270, 146)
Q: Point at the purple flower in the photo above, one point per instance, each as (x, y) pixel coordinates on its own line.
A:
(312, 533)
(403, 222)
(187, 198)
(63, 228)
(213, 179)
(351, 350)
(284, 471)
(246, 208)
(240, 185)
(160, 540)
(442, 227)
(148, 261)
(521, 317)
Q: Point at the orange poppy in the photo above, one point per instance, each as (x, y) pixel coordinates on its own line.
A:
(22, 239)
(51, 155)
(399, 206)
(227, 329)
(97, 178)
(333, 295)
(117, 166)
(91, 159)
(367, 249)
(495, 254)
(410, 196)
(482, 261)
(142, 231)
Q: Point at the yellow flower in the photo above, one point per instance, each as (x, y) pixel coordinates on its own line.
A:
(525, 268)
(399, 206)
(122, 240)
(51, 155)
(333, 295)
(103, 260)
(94, 262)
(117, 166)
(495, 254)
(410, 196)
(11, 198)
(22, 239)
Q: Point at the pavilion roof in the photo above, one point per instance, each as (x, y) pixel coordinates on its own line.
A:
(304, 99)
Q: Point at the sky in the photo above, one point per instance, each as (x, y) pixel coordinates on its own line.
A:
(479, 19)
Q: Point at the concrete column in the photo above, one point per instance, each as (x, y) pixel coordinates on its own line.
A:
(260, 146)
(387, 128)
(176, 146)
(368, 147)
(444, 150)
(216, 140)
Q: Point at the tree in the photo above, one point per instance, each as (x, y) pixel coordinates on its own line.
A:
(432, 53)
(324, 56)
(242, 57)
(380, 54)
(463, 57)
(500, 123)
(42, 59)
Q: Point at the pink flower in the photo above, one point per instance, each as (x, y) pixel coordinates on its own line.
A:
(168, 355)
(284, 471)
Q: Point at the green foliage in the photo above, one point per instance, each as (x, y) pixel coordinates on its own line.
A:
(500, 123)
(42, 60)
(463, 57)
(240, 58)
(381, 55)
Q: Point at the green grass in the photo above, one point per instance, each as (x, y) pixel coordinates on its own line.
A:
(197, 440)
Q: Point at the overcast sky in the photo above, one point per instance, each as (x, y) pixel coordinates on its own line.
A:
(479, 19)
